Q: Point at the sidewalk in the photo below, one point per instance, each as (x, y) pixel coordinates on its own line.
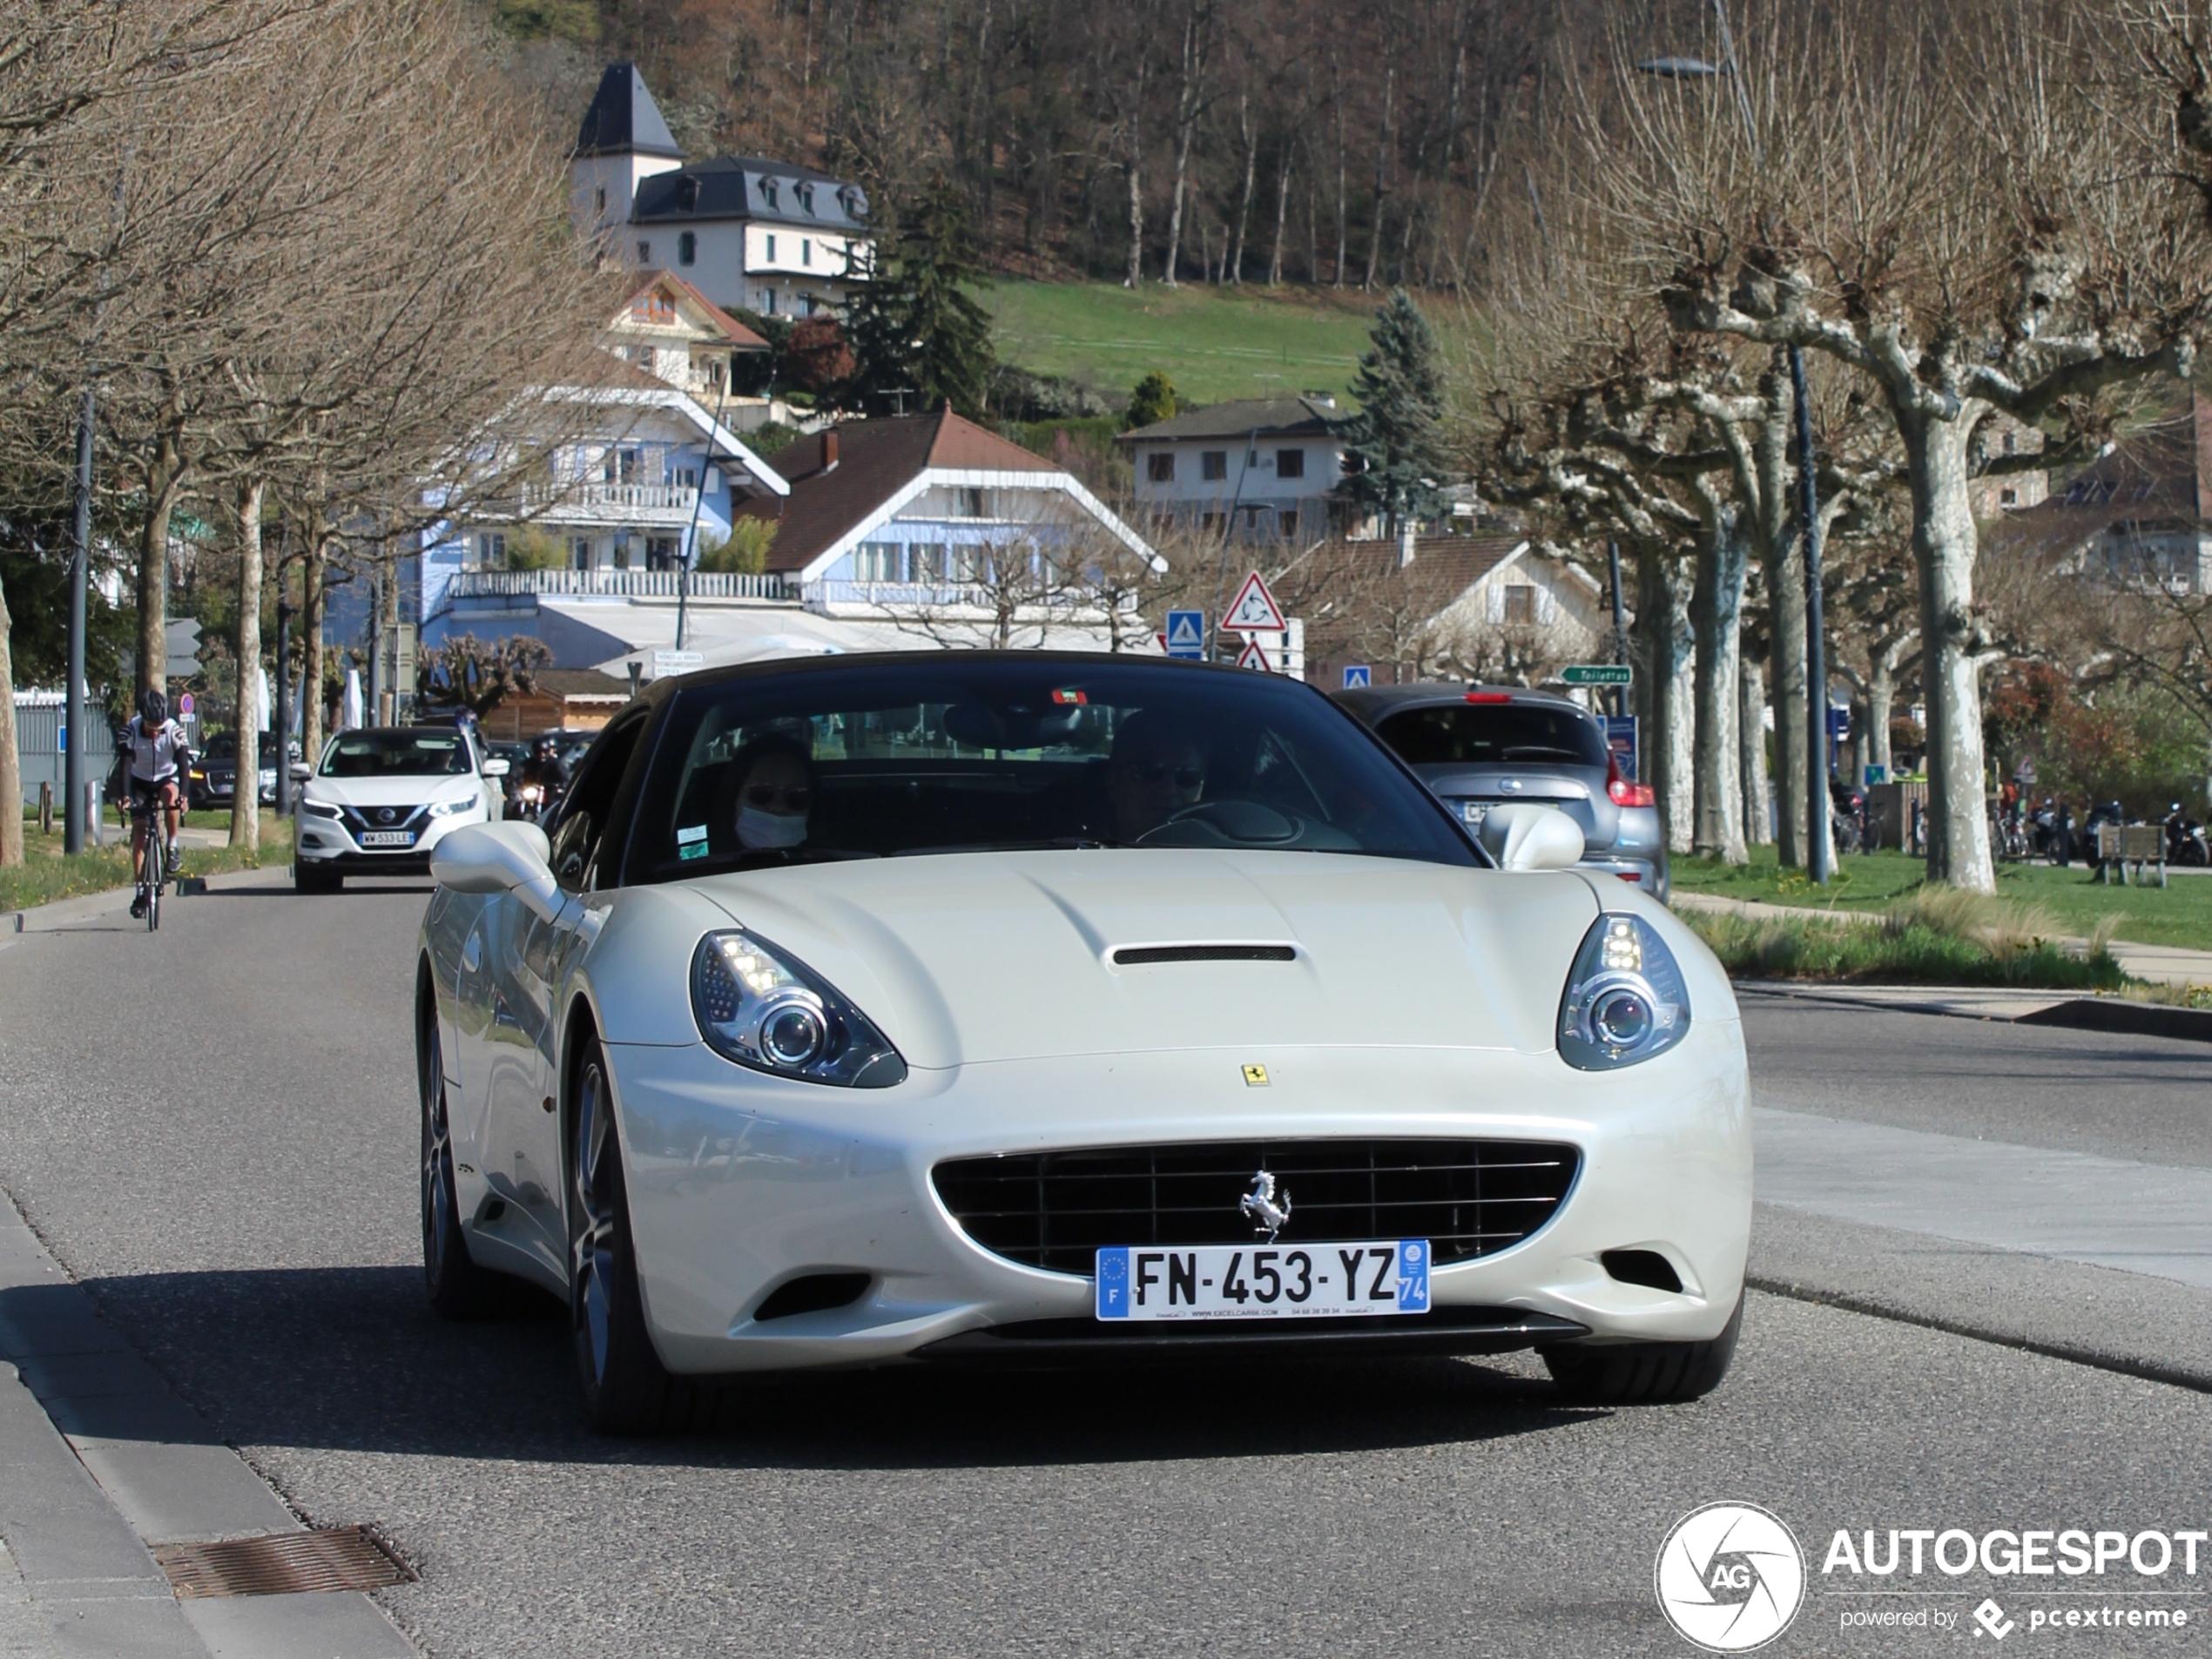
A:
(2160, 964)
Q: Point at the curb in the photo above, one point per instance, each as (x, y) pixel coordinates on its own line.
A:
(2134, 1019)
(45, 917)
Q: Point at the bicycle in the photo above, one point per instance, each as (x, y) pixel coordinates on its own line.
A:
(154, 870)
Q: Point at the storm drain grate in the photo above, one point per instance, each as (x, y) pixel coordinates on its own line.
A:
(330, 1558)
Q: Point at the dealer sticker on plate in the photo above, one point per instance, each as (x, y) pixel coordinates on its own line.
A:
(1263, 1282)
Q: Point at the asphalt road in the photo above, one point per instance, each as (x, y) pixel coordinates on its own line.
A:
(213, 1128)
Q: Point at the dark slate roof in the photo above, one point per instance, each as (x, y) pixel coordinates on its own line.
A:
(876, 458)
(624, 119)
(752, 188)
(2162, 475)
(1273, 417)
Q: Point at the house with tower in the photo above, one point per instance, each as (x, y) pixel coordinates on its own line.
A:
(748, 233)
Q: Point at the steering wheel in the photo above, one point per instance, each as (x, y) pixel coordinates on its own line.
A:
(1227, 820)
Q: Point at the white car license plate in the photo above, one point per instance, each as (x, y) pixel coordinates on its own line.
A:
(1263, 1281)
(388, 838)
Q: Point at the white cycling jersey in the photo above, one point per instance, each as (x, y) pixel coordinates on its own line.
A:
(153, 754)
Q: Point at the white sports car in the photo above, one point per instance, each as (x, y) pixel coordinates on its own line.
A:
(971, 1006)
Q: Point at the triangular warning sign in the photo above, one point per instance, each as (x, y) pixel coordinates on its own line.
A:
(1254, 655)
(1185, 628)
(1255, 609)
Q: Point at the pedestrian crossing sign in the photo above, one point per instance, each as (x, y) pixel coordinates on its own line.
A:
(1186, 633)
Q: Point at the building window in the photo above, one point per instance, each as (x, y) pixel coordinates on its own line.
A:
(972, 504)
(661, 552)
(772, 246)
(1520, 603)
(768, 195)
(806, 194)
(1290, 527)
(768, 301)
(1209, 522)
(927, 564)
(877, 561)
(687, 249)
(2009, 497)
(580, 551)
(1160, 468)
(491, 552)
(655, 309)
(645, 252)
(807, 250)
(1290, 463)
(599, 201)
(1213, 465)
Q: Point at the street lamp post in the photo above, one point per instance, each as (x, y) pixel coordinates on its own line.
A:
(80, 562)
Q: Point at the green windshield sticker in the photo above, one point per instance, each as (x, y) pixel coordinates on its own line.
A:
(696, 850)
(696, 832)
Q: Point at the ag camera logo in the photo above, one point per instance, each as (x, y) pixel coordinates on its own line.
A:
(1730, 1577)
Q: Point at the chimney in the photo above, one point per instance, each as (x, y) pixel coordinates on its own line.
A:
(829, 450)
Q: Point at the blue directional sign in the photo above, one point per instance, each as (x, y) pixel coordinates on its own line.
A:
(1358, 677)
(1186, 632)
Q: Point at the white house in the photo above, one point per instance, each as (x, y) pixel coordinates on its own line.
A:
(749, 233)
(1264, 467)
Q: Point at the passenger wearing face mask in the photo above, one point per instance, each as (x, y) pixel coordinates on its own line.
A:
(775, 792)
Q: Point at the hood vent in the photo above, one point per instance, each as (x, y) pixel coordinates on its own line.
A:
(1141, 956)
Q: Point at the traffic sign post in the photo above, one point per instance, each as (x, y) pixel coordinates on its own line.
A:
(1186, 635)
(1596, 674)
(1358, 677)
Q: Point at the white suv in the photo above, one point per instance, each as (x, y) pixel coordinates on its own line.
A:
(382, 797)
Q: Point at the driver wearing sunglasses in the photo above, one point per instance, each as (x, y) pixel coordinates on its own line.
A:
(1157, 770)
(775, 793)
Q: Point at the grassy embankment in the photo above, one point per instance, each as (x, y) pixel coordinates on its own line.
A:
(47, 874)
(1214, 343)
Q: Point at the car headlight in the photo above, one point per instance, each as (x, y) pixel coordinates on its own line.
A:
(447, 808)
(1625, 998)
(321, 809)
(764, 1009)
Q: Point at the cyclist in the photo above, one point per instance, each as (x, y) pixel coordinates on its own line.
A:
(158, 753)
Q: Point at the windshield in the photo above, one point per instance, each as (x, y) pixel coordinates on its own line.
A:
(1494, 734)
(432, 752)
(970, 752)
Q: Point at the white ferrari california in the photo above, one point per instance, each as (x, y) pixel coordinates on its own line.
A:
(972, 1006)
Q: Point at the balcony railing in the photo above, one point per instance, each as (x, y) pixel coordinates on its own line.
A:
(603, 582)
(598, 498)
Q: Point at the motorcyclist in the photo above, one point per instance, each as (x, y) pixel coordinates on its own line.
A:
(158, 753)
(546, 772)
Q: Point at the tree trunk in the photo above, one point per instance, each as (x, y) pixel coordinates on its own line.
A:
(164, 476)
(1662, 648)
(1717, 606)
(10, 758)
(1251, 136)
(1944, 546)
(1750, 738)
(1786, 592)
(1342, 251)
(1186, 127)
(1282, 214)
(1382, 153)
(1881, 699)
(245, 793)
(1680, 722)
(388, 637)
(313, 568)
(1135, 277)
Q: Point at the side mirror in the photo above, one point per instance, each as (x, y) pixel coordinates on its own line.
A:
(509, 856)
(1527, 835)
(302, 772)
(494, 768)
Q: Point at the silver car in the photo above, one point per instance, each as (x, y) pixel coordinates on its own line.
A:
(1478, 746)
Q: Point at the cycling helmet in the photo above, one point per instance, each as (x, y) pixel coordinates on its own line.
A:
(153, 707)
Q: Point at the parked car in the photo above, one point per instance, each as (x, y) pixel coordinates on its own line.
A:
(1050, 1007)
(1480, 747)
(213, 777)
(381, 798)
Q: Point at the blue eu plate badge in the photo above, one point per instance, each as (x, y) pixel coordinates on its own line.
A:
(1413, 1275)
(1113, 1283)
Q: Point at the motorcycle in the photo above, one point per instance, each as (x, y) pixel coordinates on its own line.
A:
(2185, 842)
(2051, 833)
(2105, 812)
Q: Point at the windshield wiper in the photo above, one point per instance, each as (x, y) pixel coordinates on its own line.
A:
(1538, 752)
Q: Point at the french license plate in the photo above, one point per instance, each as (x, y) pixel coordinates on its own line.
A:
(1263, 1281)
(388, 838)
(1475, 812)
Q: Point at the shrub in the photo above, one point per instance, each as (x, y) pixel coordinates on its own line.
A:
(744, 551)
(1152, 401)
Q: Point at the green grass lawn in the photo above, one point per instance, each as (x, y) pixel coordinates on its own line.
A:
(2179, 914)
(48, 873)
(1214, 343)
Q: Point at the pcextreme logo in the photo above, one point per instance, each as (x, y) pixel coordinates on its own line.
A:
(1730, 1577)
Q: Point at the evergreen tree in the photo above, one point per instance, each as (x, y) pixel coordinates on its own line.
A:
(912, 327)
(1152, 401)
(1398, 437)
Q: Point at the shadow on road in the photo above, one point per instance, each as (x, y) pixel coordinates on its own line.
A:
(353, 1358)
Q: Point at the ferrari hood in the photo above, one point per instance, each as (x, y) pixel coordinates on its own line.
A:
(966, 958)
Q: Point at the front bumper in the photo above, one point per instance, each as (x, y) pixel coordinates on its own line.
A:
(740, 1183)
(325, 843)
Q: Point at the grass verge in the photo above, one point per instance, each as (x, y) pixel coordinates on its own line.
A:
(48, 873)
(1931, 936)
(2179, 914)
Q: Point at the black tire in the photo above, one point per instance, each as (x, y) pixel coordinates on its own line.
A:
(457, 1287)
(1645, 1373)
(626, 1389)
(157, 873)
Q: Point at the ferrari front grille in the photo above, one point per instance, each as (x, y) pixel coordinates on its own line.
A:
(1053, 1209)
